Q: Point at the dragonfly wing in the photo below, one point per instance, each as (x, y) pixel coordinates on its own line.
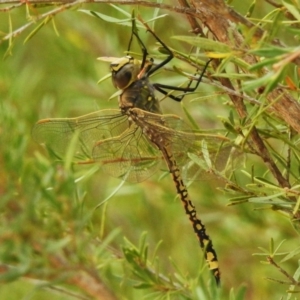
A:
(174, 132)
(213, 159)
(129, 156)
(81, 133)
(182, 140)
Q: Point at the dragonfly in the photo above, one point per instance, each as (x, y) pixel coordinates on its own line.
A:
(131, 142)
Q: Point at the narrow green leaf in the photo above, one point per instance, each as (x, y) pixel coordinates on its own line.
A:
(251, 9)
(102, 247)
(238, 200)
(229, 126)
(269, 200)
(8, 51)
(270, 51)
(271, 246)
(206, 155)
(189, 116)
(37, 28)
(291, 254)
(57, 245)
(204, 43)
(196, 159)
(292, 9)
(109, 19)
(121, 10)
(87, 175)
(257, 83)
(267, 183)
(143, 285)
(68, 159)
(263, 63)
(278, 247)
(54, 27)
(104, 78)
(276, 78)
(241, 76)
(111, 194)
(297, 273)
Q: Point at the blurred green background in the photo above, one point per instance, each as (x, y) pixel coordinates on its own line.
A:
(55, 75)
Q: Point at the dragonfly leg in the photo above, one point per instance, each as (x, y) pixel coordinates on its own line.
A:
(163, 87)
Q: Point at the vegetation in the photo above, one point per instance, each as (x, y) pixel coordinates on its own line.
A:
(72, 232)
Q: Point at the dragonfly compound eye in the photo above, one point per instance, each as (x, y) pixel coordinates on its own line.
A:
(125, 71)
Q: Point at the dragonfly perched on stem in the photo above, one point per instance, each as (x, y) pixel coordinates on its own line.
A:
(131, 142)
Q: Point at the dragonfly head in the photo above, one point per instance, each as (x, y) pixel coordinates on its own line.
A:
(125, 71)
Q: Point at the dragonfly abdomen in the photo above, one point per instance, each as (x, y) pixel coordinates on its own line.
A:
(189, 207)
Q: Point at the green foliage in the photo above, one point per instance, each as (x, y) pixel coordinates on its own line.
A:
(62, 225)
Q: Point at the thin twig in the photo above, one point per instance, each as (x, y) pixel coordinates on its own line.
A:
(273, 3)
(285, 273)
(51, 13)
(6, 9)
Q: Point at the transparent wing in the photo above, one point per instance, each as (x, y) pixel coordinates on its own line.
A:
(122, 146)
(106, 136)
(83, 132)
(129, 156)
(173, 131)
(212, 152)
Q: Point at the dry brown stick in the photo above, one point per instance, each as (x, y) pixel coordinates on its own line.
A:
(285, 107)
(196, 28)
(255, 137)
(87, 281)
(274, 3)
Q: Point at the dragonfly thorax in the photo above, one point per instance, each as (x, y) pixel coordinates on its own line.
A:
(131, 76)
(140, 94)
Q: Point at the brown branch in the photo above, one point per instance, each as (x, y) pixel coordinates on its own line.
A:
(66, 4)
(285, 107)
(255, 137)
(85, 281)
(196, 28)
(8, 8)
(216, 15)
(88, 283)
(178, 9)
(284, 272)
(273, 3)
(48, 14)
